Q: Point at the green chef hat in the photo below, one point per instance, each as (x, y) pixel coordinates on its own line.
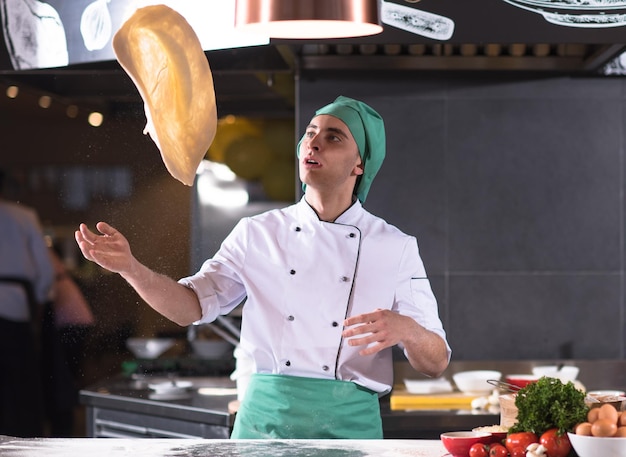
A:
(368, 130)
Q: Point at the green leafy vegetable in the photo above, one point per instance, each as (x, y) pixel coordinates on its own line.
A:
(548, 403)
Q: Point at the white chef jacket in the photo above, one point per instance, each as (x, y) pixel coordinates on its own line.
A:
(302, 277)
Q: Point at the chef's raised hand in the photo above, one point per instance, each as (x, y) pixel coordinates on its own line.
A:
(110, 250)
(382, 328)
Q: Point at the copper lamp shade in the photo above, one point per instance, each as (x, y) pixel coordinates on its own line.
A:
(308, 19)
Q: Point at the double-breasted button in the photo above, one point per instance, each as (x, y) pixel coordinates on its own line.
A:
(290, 318)
(298, 229)
(325, 368)
(292, 272)
(352, 235)
(335, 324)
(345, 279)
(287, 363)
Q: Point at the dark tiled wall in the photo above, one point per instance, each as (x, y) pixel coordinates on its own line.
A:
(515, 191)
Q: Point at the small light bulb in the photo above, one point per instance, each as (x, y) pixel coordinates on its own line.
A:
(95, 119)
(45, 101)
(12, 91)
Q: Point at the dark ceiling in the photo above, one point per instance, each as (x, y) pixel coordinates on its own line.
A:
(259, 81)
(243, 80)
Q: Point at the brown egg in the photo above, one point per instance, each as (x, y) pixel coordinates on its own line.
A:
(622, 419)
(621, 432)
(603, 427)
(592, 415)
(583, 428)
(608, 412)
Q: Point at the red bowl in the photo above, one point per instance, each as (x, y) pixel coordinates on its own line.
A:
(459, 443)
(498, 437)
(521, 380)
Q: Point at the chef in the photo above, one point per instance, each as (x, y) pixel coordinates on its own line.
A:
(329, 289)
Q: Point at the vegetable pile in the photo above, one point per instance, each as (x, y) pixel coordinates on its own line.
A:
(547, 410)
(547, 404)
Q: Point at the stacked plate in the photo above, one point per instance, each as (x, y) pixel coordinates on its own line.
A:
(170, 390)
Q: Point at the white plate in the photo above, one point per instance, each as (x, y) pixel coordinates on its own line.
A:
(170, 387)
(427, 386)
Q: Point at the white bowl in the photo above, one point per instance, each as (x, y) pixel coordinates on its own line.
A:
(595, 446)
(211, 349)
(149, 348)
(566, 373)
(475, 382)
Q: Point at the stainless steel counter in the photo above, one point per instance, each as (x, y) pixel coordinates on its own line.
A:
(80, 447)
(124, 407)
(127, 407)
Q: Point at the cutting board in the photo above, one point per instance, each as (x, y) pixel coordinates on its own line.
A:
(401, 399)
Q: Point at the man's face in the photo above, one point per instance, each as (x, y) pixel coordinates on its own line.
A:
(329, 159)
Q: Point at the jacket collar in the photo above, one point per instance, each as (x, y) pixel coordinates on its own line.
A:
(348, 217)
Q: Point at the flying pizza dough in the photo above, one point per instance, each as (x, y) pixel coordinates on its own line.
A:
(162, 54)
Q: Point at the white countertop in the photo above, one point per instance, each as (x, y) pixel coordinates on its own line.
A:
(150, 447)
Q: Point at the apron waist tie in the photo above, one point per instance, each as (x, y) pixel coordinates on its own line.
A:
(293, 407)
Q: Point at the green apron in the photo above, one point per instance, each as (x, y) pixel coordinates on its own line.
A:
(291, 407)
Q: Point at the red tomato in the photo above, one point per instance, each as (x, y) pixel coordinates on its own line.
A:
(497, 450)
(479, 450)
(517, 452)
(516, 443)
(557, 445)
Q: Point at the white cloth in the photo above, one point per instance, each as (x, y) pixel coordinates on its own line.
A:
(303, 277)
(23, 254)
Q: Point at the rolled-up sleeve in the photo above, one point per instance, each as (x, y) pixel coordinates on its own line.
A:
(218, 284)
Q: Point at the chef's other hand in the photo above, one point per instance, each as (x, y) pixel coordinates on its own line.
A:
(384, 327)
(110, 250)
(426, 351)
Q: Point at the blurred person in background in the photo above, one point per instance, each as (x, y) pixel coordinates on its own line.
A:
(26, 280)
(66, 324)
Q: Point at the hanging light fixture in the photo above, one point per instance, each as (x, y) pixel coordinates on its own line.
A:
(308, 19)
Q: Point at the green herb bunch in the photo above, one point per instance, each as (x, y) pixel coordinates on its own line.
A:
(547, 404)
